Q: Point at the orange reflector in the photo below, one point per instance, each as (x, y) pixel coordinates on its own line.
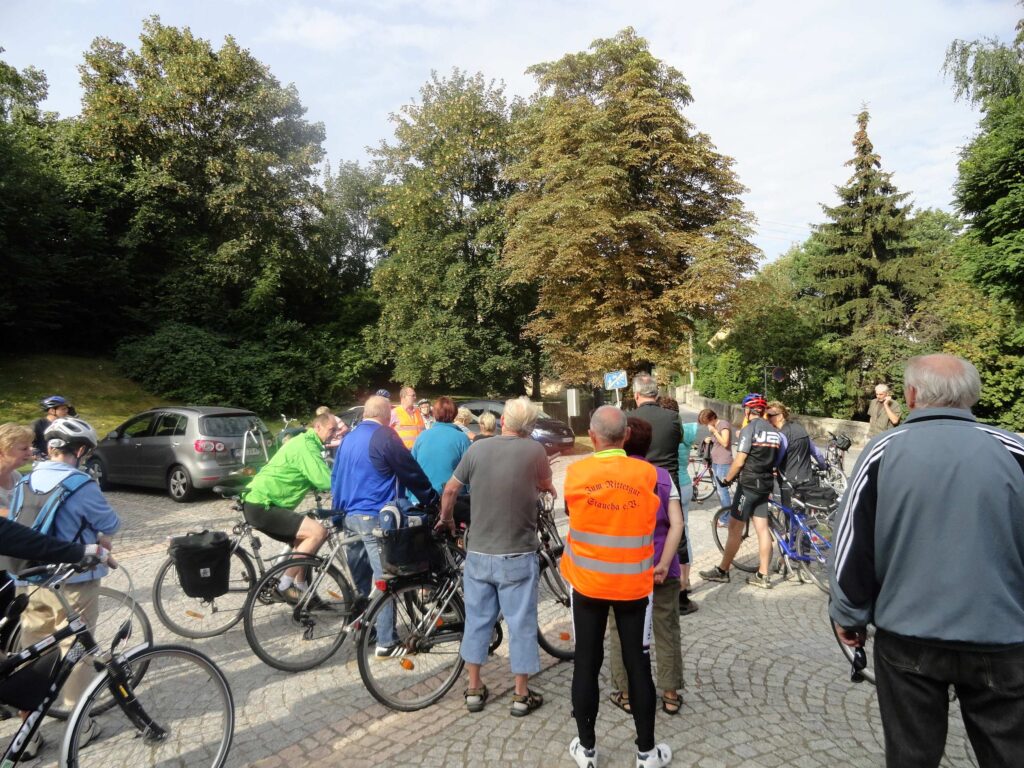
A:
(563, 636)
(334, 595)
(439, 622)
(407, 664)
(194, 614)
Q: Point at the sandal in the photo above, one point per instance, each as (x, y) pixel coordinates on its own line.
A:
(621, 700)
(475, 698)
(671, 706)
(524, 705)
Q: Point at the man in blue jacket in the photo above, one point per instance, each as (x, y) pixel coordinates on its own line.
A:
(930, 549)
(371, 468)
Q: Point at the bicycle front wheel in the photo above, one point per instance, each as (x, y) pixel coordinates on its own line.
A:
(115, 608)
(554, 611)
(187, 715)
(703, 484)
(195, 617)
(747, 556)
(294, 636)
(429, 622)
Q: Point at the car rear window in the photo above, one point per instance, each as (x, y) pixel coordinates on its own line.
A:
(230, 425)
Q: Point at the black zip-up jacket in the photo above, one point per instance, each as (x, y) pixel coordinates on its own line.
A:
(665, 436)
(21, 542)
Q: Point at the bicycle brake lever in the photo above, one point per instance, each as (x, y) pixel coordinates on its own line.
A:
(858, 664)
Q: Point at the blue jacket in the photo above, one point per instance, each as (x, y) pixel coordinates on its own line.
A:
(371, 465)
(82, 517)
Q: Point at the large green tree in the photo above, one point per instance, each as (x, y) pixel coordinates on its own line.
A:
(868, 272)
(447, 316)
(626, 218)
(217, 165)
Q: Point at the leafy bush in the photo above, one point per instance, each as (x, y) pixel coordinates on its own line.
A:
(291, 368)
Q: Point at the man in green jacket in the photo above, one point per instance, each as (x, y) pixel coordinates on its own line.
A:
(275, 492)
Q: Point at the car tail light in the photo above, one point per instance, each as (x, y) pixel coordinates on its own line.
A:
(209, 446)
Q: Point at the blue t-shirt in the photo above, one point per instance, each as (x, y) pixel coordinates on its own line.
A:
(689, 434)
(438, 452)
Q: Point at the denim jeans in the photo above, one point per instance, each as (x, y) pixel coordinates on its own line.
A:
(913, 679)
(364, 562)
(505, 584)
(721, 470)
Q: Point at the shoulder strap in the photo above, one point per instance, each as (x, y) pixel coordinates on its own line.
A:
(65, 488)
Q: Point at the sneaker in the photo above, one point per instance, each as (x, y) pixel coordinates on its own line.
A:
(688, 607)
(585, 758)
(658, 757)
(389, 651)
(759, 580)
(292, 595)
(33, 746)
(90, 732)
(715, 574)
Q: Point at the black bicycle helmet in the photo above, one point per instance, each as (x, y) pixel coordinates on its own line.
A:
(53, 401)
(69, 433)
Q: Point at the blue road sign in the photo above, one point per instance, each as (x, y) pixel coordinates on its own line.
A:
(615, 380)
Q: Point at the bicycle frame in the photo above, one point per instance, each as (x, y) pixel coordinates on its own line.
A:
(796, 526)
(119, 685)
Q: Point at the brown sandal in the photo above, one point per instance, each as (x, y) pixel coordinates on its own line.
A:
(621, 700)
(479, 696)
(671, 706)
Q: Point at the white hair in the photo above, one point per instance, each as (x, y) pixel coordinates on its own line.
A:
(879, 388)
(942, 381)
(645, 385)
(519, 415)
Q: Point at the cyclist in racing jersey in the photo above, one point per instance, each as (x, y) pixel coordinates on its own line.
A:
(757, 455)
(56, 407)
(800, 453)
(270, 500)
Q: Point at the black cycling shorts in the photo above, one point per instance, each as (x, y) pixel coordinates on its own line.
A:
(277, 522)
(749, 502)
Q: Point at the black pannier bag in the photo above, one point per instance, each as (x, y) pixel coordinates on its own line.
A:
(820, 496)
(407, 545)
(843, 442)
(203, 563)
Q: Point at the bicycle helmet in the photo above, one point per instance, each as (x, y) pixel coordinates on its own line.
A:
(383, 393)
(755, 401)
(69, 433)
(53, 401)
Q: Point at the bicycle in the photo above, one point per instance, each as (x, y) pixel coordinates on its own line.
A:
(703, 478)
(430, 615)
(111, 603)
(196, 617)
(835, 455)
(181, 712)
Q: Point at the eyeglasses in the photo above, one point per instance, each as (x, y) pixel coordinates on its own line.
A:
(773, 415)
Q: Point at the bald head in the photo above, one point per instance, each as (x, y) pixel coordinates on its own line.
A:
(608, 428)
(377, 408)
(941, 381)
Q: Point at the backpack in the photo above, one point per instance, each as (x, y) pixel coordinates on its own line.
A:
(38, 510)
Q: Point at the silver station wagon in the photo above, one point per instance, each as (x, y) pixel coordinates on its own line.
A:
(182, 448)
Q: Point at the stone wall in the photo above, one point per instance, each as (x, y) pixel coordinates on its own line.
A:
(817, 427)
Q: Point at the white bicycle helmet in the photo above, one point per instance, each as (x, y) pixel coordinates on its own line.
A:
(70, 432)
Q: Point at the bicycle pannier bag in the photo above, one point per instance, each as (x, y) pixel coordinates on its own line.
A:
(820, 496)
(203, 563)
(843, 442)
(406, 544)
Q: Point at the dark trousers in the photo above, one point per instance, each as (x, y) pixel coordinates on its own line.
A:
(913, 679)
(633, 621)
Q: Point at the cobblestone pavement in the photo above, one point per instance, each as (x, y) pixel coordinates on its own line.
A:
(765, 684)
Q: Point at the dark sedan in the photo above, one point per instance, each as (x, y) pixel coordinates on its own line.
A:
(553, 434)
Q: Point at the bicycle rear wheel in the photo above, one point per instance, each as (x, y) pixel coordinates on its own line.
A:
(747, 556)
(183, 693)
(294, 637)
(554, 611)
(195, 617)
(812, 548)
(428, 629)
(703, 482)
(868, 673)
(835, 478)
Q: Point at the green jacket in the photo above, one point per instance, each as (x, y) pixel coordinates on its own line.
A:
(296, 468)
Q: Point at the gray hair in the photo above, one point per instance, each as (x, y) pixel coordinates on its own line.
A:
(942, 381)
(377, 408)
(519, 415)
(645, 385)
(881, 388)
(609, 423)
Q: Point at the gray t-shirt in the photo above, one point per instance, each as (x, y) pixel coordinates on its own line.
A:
(505, 473)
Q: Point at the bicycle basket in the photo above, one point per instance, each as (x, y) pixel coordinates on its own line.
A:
(842, 442)
(203, 563)
(407, 546)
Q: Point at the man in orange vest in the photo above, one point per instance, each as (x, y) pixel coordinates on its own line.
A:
(609, 562)
(406, 418)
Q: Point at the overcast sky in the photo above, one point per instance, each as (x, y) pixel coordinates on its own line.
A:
(776, 83)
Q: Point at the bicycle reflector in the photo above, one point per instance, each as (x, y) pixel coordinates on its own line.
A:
(858, 664)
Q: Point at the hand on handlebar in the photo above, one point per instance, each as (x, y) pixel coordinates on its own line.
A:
(96, 554)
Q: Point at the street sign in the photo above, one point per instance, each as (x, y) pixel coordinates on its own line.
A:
(615, 380)
(778, 374)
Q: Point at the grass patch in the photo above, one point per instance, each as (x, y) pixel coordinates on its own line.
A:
(102, 396)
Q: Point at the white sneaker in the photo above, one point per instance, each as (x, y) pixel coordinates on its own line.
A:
(389, 651)
(585, 758)
(658, 757)
(33, 746)
(90, 732)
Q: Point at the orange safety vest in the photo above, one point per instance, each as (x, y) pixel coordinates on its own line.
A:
(409, 425)
(612, 505)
